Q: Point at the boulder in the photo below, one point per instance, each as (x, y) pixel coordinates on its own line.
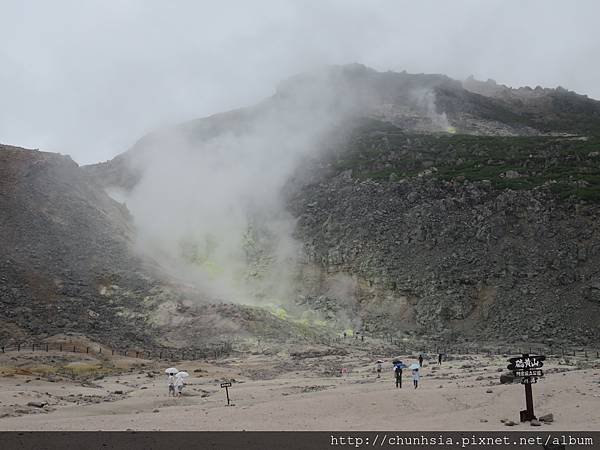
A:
(511, 174)
(507, 378)
(37, 404)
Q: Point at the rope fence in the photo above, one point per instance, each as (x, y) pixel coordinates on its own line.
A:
(210, 351)
(218, 350)
(469, 349)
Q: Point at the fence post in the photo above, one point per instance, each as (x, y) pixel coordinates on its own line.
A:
(33, 347)
(2, 349)
(73, 349)
(46, 347)
(112, 352)
(18, 347)
(87, 349)
(100, 350)
(61, 347)
(137, 354)
(160, 355)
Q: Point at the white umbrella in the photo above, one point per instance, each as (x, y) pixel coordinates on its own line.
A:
(414, 366)
(171, 370)
(182, 374)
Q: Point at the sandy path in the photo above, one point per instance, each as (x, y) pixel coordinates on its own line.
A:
(302, 401)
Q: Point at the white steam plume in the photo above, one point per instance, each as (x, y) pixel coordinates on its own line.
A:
(210, 209)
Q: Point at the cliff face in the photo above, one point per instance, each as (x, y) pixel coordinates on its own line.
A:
(449, 259)
(452, 235)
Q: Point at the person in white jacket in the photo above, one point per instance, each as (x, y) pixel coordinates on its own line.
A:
(179, 385)
(415, 377)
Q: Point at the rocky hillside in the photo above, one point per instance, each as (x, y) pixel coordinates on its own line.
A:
(482, 237)
(65, 250)
(69, 265)
(433, 208)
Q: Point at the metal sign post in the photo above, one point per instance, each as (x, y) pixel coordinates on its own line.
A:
(226, 386)
(528, 368)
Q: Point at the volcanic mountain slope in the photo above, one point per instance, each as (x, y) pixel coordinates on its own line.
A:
(481, 237)
(441, 209)
(453, 211)
(65, 247)
(69, 263)
(69, 266)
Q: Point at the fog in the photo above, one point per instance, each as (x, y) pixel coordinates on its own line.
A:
(210, 207)
(89, 78)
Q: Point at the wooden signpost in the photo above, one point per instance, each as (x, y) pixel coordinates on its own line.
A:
(529, 369)
(226, 386)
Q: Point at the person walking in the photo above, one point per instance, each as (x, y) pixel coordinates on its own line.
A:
(440, 359)
(421, 359)
(398, 371)
(171, 383)
(415, 377)
(378, 366)
(179, 385)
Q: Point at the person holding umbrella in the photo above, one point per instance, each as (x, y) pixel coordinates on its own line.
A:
(179, 381)
(415, 374)
(398, 366)
(171, 371)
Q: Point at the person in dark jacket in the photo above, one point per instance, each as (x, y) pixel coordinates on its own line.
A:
(421, 360)
(398, 371)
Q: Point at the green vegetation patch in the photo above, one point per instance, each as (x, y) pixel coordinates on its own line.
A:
(570, 165)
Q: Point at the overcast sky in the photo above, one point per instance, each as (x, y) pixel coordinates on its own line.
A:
(88, 78)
